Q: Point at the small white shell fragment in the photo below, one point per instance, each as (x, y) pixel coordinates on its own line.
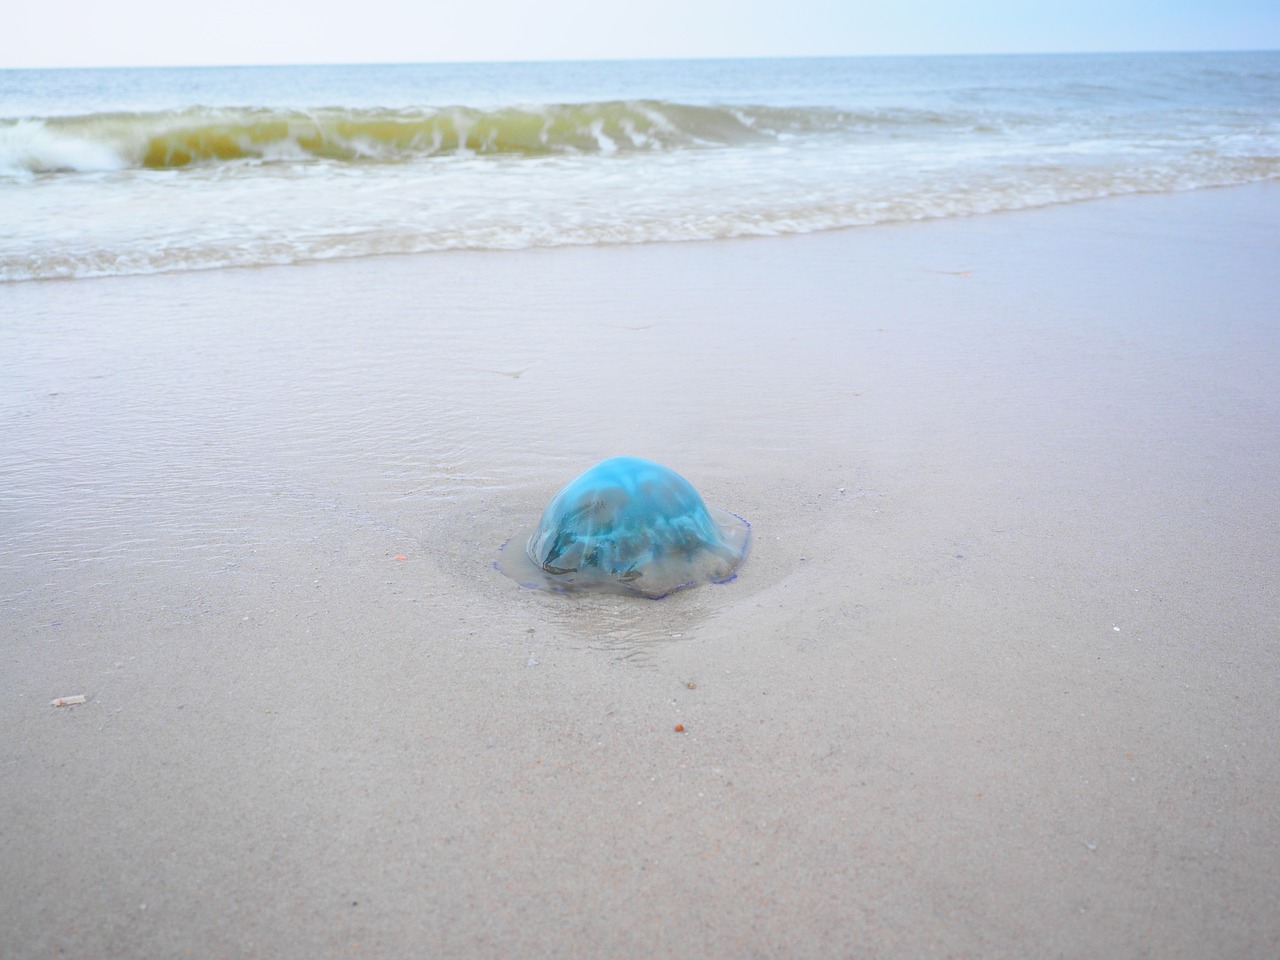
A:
(67, 701)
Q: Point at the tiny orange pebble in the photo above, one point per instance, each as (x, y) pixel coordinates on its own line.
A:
(401, 557)
(679, 728)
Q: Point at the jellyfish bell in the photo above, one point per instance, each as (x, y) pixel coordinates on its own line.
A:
(632, 526)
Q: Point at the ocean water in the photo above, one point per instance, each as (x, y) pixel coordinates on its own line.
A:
(122, 171)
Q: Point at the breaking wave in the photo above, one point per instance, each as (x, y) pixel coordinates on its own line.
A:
(209, 135)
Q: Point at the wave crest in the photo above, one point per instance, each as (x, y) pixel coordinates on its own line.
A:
(208, 135)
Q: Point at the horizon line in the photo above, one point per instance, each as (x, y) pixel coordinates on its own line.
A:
(643, 59)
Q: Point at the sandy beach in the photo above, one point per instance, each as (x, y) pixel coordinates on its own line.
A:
(998, 679)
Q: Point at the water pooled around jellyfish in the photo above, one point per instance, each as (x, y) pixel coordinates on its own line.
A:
(632, 526)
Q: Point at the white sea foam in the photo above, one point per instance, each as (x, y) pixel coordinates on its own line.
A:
(28, 147)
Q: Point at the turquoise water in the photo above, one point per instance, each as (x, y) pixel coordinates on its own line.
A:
(119, 171)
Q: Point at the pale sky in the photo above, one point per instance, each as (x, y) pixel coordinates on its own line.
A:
(162, 32)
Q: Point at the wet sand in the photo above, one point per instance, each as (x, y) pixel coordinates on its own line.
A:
(998, 678)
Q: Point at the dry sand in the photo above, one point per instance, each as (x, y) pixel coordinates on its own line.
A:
(999, 678)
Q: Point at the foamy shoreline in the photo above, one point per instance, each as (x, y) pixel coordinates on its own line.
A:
(117, 172)
(996, 680)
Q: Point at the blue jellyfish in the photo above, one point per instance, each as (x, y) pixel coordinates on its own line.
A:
(633, 526)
